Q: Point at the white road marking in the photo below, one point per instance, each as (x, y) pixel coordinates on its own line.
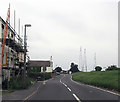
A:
(44, 83)
(69, 89)
(104, 90)
(90, 91)
(76, 98)
(60, 80)
(75, 81)
(31, 94)
(36, 90)
(65, 84)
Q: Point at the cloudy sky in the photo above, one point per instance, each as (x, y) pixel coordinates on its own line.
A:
(60, 27)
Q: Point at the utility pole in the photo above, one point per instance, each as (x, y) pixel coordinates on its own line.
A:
(80, 60)
(19, 27)
(85, 60)
(3, 43)
(25, 45)
(8, 51)
(94, 61)
(14, 56)
(14, 19)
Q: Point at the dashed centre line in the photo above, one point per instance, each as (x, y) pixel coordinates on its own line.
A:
(69, 89)
(65, 85)
(76, 98)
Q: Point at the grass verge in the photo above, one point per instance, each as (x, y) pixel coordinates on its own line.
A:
(7, 91)
(105, 79)
(17, 83)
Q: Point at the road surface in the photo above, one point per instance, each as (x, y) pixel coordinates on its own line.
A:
(64, 89)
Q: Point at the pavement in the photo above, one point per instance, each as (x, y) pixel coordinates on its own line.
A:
(61, 88)
(20, 94)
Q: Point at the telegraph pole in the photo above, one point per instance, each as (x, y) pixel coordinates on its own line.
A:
(19, 27)
(25, 45)
(85, 60)
(80, 60)
(24, 71)
(8, 51)
(94, 61)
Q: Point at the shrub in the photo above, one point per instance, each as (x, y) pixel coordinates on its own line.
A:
(42, 76)
(47, 75)
(112, 67)
(17, 83)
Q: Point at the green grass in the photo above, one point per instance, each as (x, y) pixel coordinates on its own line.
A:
(6, 92)
(105, 79)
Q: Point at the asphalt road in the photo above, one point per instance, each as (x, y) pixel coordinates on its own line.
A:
(64, 89)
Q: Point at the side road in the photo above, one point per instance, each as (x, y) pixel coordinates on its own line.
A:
(21, 94)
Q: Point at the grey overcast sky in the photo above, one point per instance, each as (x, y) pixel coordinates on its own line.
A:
(60, 27)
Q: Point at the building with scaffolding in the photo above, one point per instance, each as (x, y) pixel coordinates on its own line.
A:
(13, 59)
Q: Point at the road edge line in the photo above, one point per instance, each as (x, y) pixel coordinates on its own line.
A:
(31, 94)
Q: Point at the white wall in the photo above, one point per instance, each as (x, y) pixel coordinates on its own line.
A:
(41, 69)
(49, 69)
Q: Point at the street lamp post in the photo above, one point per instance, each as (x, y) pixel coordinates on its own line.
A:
(25, 44)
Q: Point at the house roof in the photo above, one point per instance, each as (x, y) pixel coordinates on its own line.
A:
(35, 63)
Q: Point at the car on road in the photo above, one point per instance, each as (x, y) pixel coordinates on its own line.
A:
(38, 78)
(58, 73)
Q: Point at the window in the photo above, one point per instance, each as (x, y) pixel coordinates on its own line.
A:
(11, 59)
(12, 35)
(2, 26)
(8, 34)
(2, 30)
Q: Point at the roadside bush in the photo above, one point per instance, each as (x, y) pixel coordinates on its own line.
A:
(112, 67)
(41, 76)
(17, 83)
(47, 75)
(34, 75)
(5, 84)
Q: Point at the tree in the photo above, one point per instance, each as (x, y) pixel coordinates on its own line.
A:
(112, 67)
(74, 68)
(58, 69)
(72, 65)
(98, 68)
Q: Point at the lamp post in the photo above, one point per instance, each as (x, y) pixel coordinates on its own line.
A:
(25, 44)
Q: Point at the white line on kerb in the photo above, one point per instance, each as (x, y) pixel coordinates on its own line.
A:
(76, 98)
(69, 89)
